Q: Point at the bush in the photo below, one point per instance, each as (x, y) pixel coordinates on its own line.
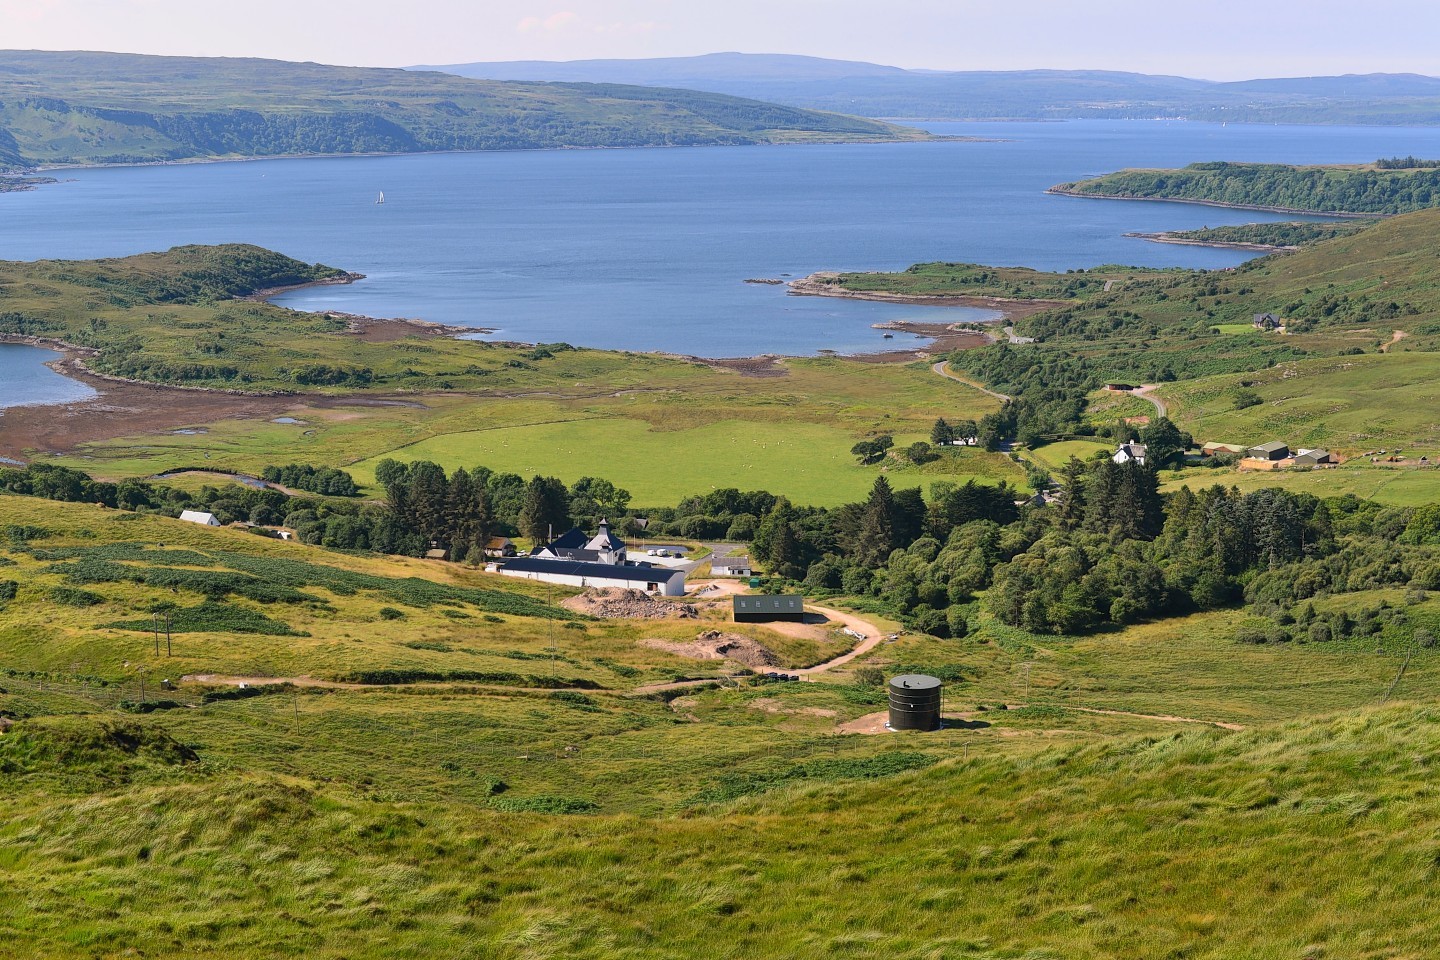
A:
(544, 804)
(70, 597)
(390, 613)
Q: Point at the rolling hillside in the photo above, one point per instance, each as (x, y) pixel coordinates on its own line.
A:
(874, 90)
(79, 107)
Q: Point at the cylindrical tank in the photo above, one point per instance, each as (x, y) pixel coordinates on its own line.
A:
(914, 702)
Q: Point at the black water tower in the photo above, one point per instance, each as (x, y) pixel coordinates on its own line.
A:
(914, 702)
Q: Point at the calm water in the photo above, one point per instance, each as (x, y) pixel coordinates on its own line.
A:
(648, 249)
(25, 380)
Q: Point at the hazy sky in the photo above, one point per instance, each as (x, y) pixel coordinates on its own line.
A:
(1215, 39)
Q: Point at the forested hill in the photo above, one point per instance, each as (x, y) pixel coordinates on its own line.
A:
(70, 108)
(1385, 187)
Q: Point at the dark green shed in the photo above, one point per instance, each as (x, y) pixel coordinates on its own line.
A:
(767, 609)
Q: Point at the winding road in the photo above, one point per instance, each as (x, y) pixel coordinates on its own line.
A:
(1146, 392)
(943, 368)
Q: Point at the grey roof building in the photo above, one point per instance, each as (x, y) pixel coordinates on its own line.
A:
(1274, 450)
(764, 609)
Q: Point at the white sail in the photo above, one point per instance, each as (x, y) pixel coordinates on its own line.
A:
(382, 197)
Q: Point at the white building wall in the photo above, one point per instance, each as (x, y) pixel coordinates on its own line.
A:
(671, 587)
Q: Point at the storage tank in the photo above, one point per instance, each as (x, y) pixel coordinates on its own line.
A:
(914, 702)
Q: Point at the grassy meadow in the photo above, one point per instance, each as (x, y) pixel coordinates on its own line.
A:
(471, 808)
(1352, 404)
(680, 435)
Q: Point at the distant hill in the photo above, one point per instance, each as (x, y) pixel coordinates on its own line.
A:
(675, 71)
(873, 90)
(80, 107)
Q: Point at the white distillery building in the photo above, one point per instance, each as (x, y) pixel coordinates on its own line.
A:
(573, 560)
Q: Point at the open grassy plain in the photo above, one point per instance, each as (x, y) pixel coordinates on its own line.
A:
(690, 430)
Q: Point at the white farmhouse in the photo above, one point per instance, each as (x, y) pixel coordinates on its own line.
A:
(197, 516)
(1130, 453)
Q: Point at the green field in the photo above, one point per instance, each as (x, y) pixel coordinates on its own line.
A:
(1399, 485)
(1348, 404)
(808, 462)
(1054, 456)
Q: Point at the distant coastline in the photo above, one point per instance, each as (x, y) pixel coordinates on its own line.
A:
(1344, 215)
(1218, 244)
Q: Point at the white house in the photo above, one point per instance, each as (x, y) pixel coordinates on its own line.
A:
(197, 516)
(1130, 453)
(732, 567)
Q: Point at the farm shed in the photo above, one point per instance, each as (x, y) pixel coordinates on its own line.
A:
(767, 609)
(1274, 450)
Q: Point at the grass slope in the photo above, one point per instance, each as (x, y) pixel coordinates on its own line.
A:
(78, 107)
(496, 819)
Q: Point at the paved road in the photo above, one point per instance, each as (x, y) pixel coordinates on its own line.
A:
(943, 368)
(1145, 392)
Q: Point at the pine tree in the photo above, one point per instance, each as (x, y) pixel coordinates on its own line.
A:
(546, 509)
(877, 526)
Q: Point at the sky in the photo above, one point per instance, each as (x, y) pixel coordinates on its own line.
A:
(1209, 39)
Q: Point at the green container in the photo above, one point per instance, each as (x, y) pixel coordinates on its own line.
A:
(754, 583)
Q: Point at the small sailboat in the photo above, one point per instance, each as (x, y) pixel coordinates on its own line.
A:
(381, 198)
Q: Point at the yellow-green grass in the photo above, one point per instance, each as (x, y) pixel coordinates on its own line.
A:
(1402, 486)
(1351, 404)
(1107, 406)
(808, 462)
(1055, 455)
(1284, 836)
(1235, 329)
(363, 822)
(671, 439)
(348, 633)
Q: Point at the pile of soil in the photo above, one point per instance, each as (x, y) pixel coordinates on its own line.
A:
(620, 604)
(714, 645)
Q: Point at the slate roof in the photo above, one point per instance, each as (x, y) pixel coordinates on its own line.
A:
(605, 540)
(591, 571)
(781, 603)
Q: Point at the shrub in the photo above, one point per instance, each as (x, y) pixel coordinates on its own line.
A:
(71, 597)
(544, 804)
(390, 613)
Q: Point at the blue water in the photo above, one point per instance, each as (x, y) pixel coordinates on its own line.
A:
(26, 381)
(648, 249)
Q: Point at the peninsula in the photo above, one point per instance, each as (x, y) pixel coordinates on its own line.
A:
(120, 108)
(1380, 189)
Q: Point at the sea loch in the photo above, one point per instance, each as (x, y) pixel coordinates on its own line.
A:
(649, 249)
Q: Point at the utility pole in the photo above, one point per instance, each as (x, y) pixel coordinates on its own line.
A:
(1027, 665)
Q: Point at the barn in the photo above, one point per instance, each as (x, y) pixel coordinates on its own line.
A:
(768, 609)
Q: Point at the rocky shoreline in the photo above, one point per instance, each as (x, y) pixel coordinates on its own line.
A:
(1218, 244)
(1261, 208)
(820, 285)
